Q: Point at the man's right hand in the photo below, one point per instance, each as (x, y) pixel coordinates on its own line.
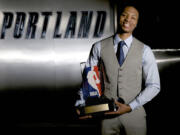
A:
(83, 117)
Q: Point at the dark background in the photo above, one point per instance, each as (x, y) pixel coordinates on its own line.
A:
(159, 24)
(48, 109)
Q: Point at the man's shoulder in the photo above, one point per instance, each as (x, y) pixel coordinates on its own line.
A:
(105, 39)
(101, 43)
(108, 38)
(146, 48)
(138, 42)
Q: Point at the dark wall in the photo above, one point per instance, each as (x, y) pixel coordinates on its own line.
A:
(158, 24)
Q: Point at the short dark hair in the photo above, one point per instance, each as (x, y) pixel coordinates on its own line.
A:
(127, 3)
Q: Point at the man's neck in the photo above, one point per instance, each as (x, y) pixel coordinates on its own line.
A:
(124, 36)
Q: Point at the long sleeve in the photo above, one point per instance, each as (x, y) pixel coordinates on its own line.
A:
(94, 55)
(151, 77)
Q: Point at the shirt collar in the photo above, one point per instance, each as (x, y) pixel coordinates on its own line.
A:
(128, 41)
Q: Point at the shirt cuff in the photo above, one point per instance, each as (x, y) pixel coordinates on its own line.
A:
(133, 104)
(80, 103)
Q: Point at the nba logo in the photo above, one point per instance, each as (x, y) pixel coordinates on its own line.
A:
(91, 82)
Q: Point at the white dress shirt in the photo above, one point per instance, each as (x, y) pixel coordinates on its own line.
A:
(150, 70)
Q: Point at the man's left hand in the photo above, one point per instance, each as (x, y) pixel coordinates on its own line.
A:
(122, 109)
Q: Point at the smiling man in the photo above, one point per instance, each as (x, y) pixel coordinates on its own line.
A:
(126, 61)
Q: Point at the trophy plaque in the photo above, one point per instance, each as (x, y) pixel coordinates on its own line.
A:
(98, 105)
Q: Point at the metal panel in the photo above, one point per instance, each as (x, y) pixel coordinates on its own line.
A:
(44, 61)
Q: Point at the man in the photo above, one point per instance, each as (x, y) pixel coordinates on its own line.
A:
(124, 79)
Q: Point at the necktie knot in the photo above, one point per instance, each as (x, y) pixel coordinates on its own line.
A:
(121, 43)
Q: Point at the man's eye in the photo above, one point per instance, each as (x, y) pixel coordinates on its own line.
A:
(123, 15)
(134, 18)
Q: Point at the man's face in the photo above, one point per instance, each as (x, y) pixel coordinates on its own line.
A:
(128, 19)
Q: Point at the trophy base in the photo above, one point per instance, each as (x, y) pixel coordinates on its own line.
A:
(98, 106)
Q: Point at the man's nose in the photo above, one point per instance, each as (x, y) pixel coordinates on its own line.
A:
(127, 18)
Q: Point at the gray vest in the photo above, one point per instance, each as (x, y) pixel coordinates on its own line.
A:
(124, 81)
